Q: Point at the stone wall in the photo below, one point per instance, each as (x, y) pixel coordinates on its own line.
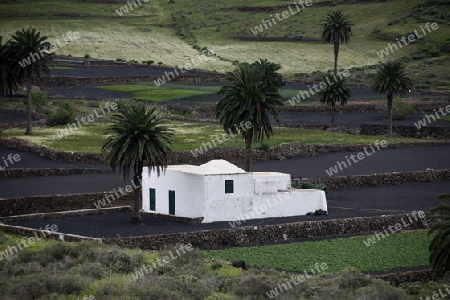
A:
(19, 173)
(267, 234)
(408, 131)
(56, 203)
(382, 179)
(75, 81)
(397, 279)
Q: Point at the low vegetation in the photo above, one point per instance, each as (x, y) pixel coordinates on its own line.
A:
(61, 270)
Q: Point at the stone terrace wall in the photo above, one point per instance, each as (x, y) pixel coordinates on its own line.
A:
(56, 203)
(74, 81)
(381, 179)
(267, 233)
(19, 173)
(397, 279)
(408, 131)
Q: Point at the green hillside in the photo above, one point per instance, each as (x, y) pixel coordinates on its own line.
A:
(168, 31)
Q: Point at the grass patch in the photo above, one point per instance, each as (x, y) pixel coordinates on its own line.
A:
(401, 250)
(164, 93)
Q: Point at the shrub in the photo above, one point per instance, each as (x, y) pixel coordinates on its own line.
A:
(65, 284)
(65, 114)
(148, 62)
(120, 60)
(118, 260)
(160, 63)
(27, 287)
(93, 270)
(87, 56)
(264, 147)
(300, 184)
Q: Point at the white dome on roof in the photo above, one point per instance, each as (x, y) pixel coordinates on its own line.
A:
(219, 166)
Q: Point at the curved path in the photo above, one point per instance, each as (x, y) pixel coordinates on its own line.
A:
(388, 160)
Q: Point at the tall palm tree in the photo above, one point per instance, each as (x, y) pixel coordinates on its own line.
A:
(250, 98)
(440, 245)
(138, 138)
(31, 59)
(8, 82)
(336, 29)
(337, 92)
(391, 79)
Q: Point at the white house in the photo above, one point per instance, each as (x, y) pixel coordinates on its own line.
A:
(220, 191)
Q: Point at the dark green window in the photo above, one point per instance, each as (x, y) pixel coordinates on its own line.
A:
(229, 187)
(171, 202)
(152, 199)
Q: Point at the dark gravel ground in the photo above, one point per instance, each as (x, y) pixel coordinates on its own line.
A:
(346, 203)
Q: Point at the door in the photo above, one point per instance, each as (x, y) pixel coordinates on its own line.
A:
(171, 202)
(152, 199)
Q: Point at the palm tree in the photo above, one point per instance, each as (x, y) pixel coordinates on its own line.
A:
(440, 245)
(391, 79)
(270, 70)
(8, 82)
(138, 138)
(31, 59)
(249, 100)
(337, 92)
(336, 29)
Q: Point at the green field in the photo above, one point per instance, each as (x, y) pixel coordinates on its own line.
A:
(194, 94)
(401, 250)
(149, 32)
(188, 136)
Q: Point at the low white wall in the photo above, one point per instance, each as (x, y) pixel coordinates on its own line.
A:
(227, 207)
(271, 182)
(286, 204)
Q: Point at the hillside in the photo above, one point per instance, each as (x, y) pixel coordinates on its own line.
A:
(173, 32)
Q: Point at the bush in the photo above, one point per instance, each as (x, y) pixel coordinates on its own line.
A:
(27, 287)
(300, 184)
(65, 114)
(148, 62)
(87, 56)
(118, 260)
(65, 284)
(160, 63)
(120, 60)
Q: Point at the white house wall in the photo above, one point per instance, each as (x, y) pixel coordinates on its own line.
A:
(227, 207)
(189, 193)
(286, 204)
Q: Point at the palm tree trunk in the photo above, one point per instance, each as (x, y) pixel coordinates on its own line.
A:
(333, 113)
(29, 129)
(248, 152)
(389, 98)
(336, 54)
(137, 219)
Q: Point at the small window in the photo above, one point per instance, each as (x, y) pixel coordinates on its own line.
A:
(152, 199)
(229, 187)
